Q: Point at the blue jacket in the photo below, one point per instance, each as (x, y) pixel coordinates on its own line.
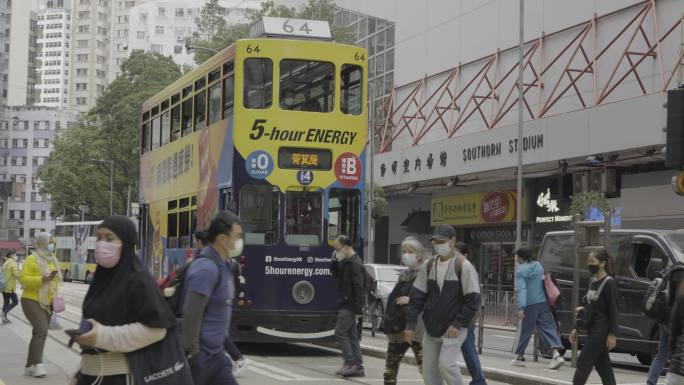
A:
(530, 281)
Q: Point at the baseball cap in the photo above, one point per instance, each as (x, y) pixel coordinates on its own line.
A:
(443, 232)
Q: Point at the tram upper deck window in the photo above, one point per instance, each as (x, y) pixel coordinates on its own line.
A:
(344, 207)
(175, 122)
(303, 217)
(307, 85)
(258, 88)
(165, 127)
(214, 103)
(156, 132)
(145, 140)
(352, 90)
(228, 100)
(259, 214)
(200, 110)
(186, 118)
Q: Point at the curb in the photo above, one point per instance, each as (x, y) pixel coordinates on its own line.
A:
(494, 374)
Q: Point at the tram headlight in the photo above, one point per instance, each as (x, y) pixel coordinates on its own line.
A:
(303, 292)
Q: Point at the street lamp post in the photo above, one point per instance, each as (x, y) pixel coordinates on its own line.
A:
(521, 70)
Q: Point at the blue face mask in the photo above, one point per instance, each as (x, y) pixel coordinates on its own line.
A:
(51, 247)
(408, 259)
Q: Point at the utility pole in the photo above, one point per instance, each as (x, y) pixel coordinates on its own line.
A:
(370, 255)
(521, 70)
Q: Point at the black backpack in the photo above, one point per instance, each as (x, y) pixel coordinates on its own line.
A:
(174, 292)
(656, 302)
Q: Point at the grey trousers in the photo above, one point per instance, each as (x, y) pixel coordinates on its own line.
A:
(39, 319)
(440, 359)
(347, 335)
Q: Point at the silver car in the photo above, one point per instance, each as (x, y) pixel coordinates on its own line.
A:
(385, 278)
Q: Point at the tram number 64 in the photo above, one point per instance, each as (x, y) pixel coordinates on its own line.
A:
(287, 27)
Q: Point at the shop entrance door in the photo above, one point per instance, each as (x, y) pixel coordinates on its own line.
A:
(497, 266)
(497, 273)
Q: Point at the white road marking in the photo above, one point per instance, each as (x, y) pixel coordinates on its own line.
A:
(502, 336)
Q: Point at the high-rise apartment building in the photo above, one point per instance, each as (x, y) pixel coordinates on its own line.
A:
(163, 26)
(26, 135)
(18, 60)
(119, 47)
(54, 42)
(90, 50)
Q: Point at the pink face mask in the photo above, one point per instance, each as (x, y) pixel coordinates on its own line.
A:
(107, 254)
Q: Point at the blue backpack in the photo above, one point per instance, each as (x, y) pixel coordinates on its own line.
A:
(3, 281)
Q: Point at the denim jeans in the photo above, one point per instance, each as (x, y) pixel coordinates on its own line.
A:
(539, 316)
(472, 359)
(212, 369)
(661, 357)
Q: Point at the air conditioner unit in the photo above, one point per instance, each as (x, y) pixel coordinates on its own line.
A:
(580, 182)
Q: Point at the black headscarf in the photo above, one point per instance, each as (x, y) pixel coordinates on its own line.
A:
(126, 293)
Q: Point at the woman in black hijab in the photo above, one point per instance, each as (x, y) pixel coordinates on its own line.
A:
(125, 308)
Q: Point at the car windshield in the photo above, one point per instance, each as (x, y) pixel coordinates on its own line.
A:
(677, 241)
(389, 274)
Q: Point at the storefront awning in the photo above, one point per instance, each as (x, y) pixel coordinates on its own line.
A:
(10, 245)
(417, 222)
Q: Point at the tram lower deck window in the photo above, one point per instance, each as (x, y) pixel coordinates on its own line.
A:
(303, 217)
(344, 208)
(259, 213)
(307, 85)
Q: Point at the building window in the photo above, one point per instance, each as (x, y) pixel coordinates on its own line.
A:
(140, 35)
(81, 101)
(18, 161)
(179, 12)
(19, 143)
(143, 17)
(81, 72)
(83, 15)
(162, 12)
(81, 86)
(157, 48)
(159, 30)
(83, 43)
(178, 49)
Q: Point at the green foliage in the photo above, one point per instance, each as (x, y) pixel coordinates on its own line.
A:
(583, 202)
(109, 131)
(214, 33)
(379, 201)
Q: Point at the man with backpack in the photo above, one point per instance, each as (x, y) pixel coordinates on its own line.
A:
(208, 292)
(447, 291)
(348, 270)
(658, 304)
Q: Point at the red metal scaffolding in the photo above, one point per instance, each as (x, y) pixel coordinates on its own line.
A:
(489, 91)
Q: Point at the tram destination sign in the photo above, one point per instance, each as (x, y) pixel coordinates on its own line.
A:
(276, 26)
(304, 158)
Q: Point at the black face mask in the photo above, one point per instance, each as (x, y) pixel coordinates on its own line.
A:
(593, 269)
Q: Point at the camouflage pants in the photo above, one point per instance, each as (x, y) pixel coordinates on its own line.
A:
(395, 353)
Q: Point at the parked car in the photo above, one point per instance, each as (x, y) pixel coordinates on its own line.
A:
(634, 253)
(385, 277)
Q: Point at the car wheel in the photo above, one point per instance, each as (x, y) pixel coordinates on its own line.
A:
(378, 315)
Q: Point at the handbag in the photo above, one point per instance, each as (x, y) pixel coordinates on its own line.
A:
(58, 304)
(162, 363)
(552, 291)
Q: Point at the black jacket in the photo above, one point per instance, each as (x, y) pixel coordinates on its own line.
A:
(677, 337)
(351, 278)
(600, 316)
(395, 315)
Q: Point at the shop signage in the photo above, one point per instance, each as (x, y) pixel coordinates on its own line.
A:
(566, 136)
(474, 209)
(496, 234)
(549, 209)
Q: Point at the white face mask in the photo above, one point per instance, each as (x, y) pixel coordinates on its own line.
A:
(443, 249)
(340, 255)
(237, 251)
(408, 259)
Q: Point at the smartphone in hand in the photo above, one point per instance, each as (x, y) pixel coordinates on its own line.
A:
(85, 327)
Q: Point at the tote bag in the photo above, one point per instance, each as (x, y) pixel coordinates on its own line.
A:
(162, 363)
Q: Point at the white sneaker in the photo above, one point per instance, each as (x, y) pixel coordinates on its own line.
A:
(28, 371)
(556, 362)
(39, 371)
(240, 366)
(519, 362)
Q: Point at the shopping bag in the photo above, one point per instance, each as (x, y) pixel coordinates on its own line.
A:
(162, 363)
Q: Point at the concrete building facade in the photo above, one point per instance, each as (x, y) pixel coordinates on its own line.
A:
(18, 62)
(163, 26)
(25, 144)
(54, 22)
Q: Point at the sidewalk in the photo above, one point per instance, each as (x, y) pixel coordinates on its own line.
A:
(59, 361)
(496, 366)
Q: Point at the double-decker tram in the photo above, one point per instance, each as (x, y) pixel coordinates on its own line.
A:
(273, 128)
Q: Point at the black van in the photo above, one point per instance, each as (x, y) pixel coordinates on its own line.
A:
(632, 250)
